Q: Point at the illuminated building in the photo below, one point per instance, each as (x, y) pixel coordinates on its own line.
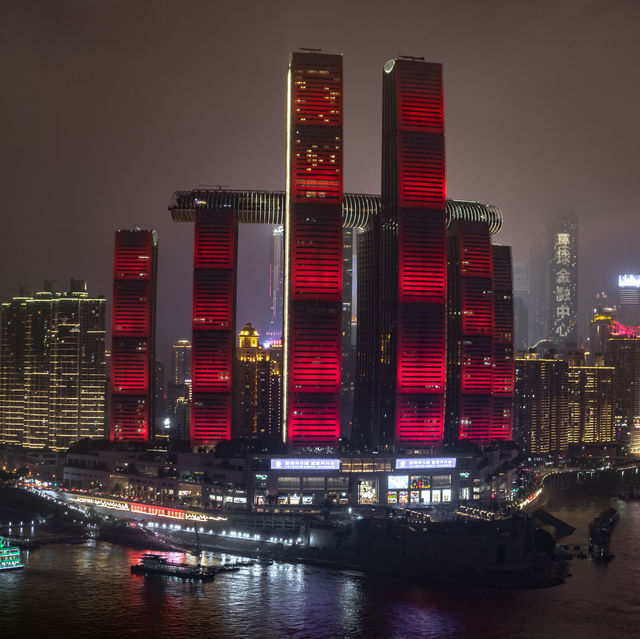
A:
(214, 292)
(313, 250)
(252, 377)
(623, 353)
(629, 300)
(133, 335)
(179, 388)
(52, 371)
(563, 278)
(276, 282)
(590, 404)
(599, 333)
(541, 411)
(181, 361)
(470, 332)
(412, 249)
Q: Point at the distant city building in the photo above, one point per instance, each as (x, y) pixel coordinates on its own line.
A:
(521, 305)
(563, 278)
(276, 282)
(541, 410)
(599, 334)
(629, 300)
(52, 368)
(181, 361)
(133, 336)
(179, 389)
(258, 386)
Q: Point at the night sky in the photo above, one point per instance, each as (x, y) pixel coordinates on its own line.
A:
(107, 107)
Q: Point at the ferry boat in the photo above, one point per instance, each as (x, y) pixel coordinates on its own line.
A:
(151, 564)
(9, 556)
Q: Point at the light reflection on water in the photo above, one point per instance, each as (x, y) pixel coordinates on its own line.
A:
(81, 591)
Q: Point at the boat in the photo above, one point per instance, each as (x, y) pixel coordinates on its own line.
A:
(600, 534)
(151, 564)
(9, 556)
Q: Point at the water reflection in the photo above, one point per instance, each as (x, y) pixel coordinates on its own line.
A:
(88, 591)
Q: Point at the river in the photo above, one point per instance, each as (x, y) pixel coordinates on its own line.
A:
(88, 591)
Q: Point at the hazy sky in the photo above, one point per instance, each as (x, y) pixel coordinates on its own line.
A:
(107, 107)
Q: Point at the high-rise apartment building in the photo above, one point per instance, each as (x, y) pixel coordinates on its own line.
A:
(134, 335)
(313, 250)
(52, 368)
(590, 401)
(562, 282)
(541, 409)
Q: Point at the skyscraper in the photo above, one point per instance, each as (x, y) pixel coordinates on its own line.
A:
(591, 406)
(503, 381)
(521, 305)
(470, 332)
(629, 300)
(541, 411)
(133, 335)
(313, 250)
(562, 255)
(413, 272)
(52, 371)
(214, 292)
(276, 282)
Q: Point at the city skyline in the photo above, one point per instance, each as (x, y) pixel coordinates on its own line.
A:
(120, 165)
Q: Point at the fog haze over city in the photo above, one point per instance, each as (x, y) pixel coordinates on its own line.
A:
(111, 106)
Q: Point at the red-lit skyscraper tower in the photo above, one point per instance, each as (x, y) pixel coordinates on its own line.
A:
(313, 250)
(214, 291)
(133, 343)
(470, 370)
(412, 239)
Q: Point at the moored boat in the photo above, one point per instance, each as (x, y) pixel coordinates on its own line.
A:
(9, 556)
(157, 564)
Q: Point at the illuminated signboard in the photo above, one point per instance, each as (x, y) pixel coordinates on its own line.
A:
(629, 281)
(398, 482)
(415, 463)
(305, 464)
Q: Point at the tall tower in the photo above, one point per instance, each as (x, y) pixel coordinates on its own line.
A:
(313, 250)
(276, 282)
(413, 274)
(503, 337)
(470, 332)
(562, 291)
(133, 325)
(214, 308)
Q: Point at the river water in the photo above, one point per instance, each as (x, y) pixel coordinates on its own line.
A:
(88, 591)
